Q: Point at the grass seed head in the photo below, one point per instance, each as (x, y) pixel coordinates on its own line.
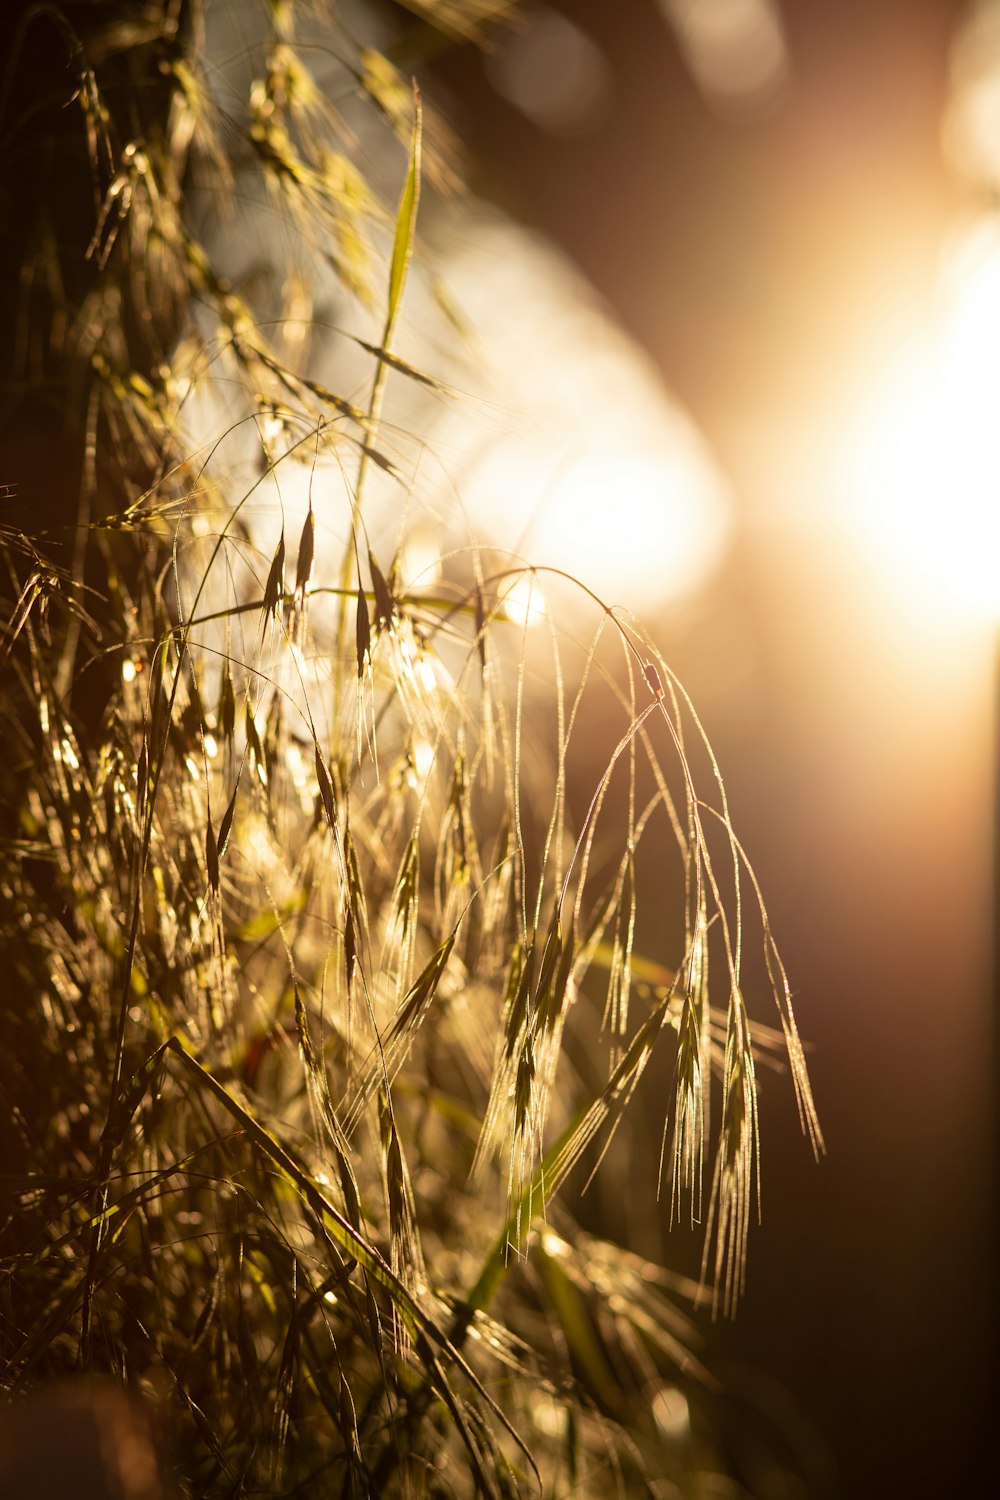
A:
(245, 1178)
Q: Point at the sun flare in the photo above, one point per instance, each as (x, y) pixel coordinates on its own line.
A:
(925, 470)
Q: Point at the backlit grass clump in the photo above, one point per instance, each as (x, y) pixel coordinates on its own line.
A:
(319, 1003)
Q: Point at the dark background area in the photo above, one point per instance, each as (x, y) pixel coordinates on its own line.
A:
(770, 265)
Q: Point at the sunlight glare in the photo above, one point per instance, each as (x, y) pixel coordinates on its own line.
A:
(586, 464)
(559, 446)
(423, 758)
(420, 557)
(672, 1413)
(628, 520)
(638, 519)
(522, 601)
(925, 470)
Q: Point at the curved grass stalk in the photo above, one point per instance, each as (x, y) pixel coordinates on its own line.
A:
(307, 1085)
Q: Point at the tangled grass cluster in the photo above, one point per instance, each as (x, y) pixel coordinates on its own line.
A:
(298, 926)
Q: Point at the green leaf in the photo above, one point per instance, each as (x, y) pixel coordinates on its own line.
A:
(406, 220)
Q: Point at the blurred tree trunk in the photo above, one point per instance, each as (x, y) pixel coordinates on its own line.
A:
(81, 81)
(51, 191)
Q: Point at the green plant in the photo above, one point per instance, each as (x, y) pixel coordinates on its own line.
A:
(302, 939)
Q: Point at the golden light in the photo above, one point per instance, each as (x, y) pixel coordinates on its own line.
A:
(672, 1413)
(924, 470)
(577, 457)
(552, 438)
(636, 515)
(522, 601)
(423, 758)
(647, 525)
(420, 557)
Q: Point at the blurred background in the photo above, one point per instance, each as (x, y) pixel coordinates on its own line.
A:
(790, 208)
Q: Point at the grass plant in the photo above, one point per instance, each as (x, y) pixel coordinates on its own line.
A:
(304, 942)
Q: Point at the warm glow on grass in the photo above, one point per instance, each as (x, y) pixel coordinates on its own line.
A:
(420, 557)
(522, 600)
(926, 470)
